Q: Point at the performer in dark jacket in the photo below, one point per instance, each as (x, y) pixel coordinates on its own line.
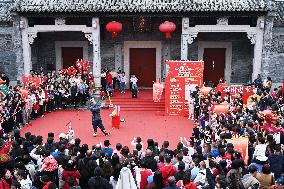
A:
(96, 119)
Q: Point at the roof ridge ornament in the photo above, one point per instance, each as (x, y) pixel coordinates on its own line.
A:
(60, 21)
(222, 21)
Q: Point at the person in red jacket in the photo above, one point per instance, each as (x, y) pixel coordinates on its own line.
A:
(70, 172)
(168, 170)
(108, 78)
(145, 173)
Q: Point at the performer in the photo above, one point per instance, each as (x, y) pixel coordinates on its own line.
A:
(96, 119)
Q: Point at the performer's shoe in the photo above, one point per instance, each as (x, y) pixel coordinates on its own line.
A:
(106, 134)
(95, 134)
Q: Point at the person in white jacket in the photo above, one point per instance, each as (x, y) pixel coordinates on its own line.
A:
(259, 156)
(126, 179)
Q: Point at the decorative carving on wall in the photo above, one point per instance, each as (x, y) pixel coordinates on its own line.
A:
(6, 43)
(277, 45)
(60, 21)
(89, 37)
(222, 21)
(252, 37)
(191, 37)
(267, 38)
(17, 42)
(32, 37)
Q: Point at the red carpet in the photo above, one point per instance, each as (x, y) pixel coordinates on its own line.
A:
(144, 124)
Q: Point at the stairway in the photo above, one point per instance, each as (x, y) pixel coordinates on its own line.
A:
(144, 102)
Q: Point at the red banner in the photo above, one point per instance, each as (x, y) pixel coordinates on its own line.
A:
(246, 91)
(240, 145)
(181, 74)
(157, 91)
(29, 80)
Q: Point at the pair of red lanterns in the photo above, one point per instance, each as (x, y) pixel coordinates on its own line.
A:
(116, 27)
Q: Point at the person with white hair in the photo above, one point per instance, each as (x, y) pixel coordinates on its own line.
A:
(96, 118)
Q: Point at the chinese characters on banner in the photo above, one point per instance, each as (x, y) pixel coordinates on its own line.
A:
(246, 91)
(181, 74)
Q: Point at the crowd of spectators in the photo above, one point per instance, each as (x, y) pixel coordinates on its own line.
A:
(205, 160)
(55, 91)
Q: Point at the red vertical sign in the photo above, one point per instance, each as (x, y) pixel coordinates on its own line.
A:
(180, 74)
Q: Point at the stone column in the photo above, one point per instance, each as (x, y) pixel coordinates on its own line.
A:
(118, 57)
(26, 45)
(96, 52)
(184, 39)
(257, 40)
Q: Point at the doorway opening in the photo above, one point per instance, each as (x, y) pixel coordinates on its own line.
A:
(214, 65)
(70, 55)
(143, 65)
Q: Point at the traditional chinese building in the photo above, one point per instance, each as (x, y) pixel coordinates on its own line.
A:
(237, 39)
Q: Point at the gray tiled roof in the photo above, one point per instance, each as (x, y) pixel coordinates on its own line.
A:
(5, 14)
(134, 6)
(141, 5)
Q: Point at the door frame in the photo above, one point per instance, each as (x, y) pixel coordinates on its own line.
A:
(142, 44)
(60, 44)
(228, 54)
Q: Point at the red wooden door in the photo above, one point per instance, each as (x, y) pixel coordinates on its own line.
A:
(214, 64)
(143, 65)
(70, 55)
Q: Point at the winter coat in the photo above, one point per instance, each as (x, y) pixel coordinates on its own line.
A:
(276, 162)
(99, 183)
(126, 180)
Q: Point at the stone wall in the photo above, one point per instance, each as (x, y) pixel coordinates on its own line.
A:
(273, 65)
(10, 50)
(273, 50)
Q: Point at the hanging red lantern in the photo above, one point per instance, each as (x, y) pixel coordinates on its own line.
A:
(114, 27)
(167, 27)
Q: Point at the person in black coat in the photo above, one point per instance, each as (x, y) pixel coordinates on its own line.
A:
(86, 167)
(98, 182)
(276, 161)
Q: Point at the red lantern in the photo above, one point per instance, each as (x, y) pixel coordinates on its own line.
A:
(167, 27)
(114, 27)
